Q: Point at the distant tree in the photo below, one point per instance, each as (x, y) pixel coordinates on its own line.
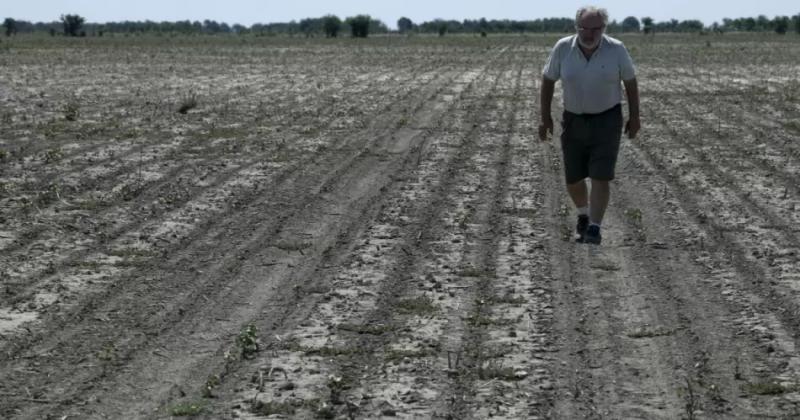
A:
(376, 26)
(442, 29)
(308, 26)
(781, 24)
(647, 24)
(331, 24)
(211, 26)
(11, 26)
(631, 24)
(797, 23)
(359, 25)
(763, 23)
(749, 24)
(72, 24)
(404, 25)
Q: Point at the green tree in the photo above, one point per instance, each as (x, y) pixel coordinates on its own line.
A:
(781, 24)
(331, 24)
(404, 25)
(647, 23)
(631, 24)
(359, 25)
(11, 26)
(797, 23)
(72, 24)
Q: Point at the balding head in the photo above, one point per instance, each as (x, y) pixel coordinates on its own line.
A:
(587, 11)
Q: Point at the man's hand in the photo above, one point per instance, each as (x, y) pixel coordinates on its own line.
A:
(545, 127)
(631, 127)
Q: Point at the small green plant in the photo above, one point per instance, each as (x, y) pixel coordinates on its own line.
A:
(48, 195)
(71, 110)
(187, 103)
(107, 353)
(634, 215)
(247, 340)
(650, 332)
(53, 155)
(212, 382)
(3, 155)
(273, 407)
(336, 385)
(187, 409)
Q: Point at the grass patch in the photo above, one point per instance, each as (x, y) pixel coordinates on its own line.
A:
(508, 299)
(494, 370)
(474, 272)
(293, 245)
(273, 407)
(328, 351)
(487, 321)
(376, 329)
(767, 388)
(422, 305)
(131, 253)
(649, 332)
(187, 409)
(793, 125)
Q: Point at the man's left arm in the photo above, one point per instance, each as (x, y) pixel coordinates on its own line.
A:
(634, 124)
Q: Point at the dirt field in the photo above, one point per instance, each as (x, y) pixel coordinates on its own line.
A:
(366, 229)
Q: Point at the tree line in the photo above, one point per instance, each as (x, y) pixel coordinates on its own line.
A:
(363, 25)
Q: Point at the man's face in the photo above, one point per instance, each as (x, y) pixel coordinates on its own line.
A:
(590, 30)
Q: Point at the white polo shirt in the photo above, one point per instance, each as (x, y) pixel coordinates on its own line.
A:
(590, 86)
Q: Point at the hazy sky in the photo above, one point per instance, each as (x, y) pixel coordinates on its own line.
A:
(248, 12)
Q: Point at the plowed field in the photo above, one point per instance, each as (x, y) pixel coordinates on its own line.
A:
(367, 229)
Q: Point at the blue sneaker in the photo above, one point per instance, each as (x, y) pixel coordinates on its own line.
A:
(592, 235)
(580, 229)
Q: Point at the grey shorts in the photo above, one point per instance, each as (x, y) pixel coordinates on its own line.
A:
(590, 144)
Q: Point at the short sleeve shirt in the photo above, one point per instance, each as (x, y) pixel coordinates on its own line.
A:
(590, 86)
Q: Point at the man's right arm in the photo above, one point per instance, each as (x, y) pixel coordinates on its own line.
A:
(545, 102)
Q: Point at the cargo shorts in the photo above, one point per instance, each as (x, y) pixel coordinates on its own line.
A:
(590, 144)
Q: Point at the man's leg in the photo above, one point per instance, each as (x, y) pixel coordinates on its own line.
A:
(579, 193)
(601, 191)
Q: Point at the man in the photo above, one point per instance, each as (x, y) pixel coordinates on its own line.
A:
(590, 66)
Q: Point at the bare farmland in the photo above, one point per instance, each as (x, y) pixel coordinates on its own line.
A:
(368, 228)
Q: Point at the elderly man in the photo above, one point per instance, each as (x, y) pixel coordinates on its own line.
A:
(590, 66)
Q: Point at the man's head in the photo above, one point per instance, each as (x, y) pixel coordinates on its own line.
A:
(590, 22)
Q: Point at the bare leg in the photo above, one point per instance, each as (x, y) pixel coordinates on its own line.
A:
(600, 196)
(579, 193)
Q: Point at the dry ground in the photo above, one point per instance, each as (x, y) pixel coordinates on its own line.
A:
(358, 229)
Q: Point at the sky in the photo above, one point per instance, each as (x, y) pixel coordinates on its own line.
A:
(247, 12)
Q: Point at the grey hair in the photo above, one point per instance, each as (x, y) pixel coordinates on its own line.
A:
(603, 13)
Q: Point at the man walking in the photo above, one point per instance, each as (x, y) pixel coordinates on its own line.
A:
(590, 66)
